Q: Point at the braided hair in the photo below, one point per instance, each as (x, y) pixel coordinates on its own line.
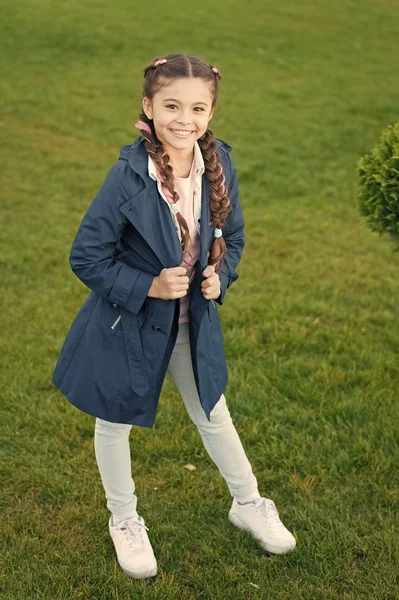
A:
(155, 76)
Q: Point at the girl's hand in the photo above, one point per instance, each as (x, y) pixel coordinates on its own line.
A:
(170, 284)
(211, 286)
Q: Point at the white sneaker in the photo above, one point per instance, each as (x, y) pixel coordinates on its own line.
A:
(133, 548)
(260, 518)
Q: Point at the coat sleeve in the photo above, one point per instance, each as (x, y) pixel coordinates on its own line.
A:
(233, 234)
(93, 249)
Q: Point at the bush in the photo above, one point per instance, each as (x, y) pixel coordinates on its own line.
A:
(378, 188)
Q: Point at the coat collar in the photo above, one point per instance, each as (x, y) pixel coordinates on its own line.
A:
(145, 209)
(139, 159)
(198, 163)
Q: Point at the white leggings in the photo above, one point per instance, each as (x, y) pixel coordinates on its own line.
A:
(220, 438)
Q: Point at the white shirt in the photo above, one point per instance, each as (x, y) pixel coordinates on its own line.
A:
(199, 167)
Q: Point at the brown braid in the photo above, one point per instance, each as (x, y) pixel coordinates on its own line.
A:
(218, 199)
(180, 65)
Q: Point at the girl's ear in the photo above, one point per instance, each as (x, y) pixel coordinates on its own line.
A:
(211, 114)
(147, 107)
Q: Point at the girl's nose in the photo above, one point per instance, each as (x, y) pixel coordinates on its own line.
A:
(183, 122)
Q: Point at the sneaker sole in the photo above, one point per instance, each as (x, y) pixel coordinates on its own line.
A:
(265, 545)
(149, 571)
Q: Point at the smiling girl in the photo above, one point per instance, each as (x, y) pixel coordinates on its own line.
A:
(158, 247)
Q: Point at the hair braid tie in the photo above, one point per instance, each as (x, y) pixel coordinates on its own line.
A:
(145, 126)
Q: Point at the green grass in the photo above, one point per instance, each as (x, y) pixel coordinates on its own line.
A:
(311, 327)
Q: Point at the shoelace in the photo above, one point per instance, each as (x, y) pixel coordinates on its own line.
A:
(136, 527)
(267, 508)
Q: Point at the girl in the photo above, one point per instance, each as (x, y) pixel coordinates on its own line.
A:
(142, 248)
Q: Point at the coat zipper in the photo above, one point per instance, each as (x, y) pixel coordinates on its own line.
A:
(116, 322)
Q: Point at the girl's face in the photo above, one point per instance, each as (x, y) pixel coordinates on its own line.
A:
(180, 111)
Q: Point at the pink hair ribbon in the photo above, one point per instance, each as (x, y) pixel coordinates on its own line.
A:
(142, 125)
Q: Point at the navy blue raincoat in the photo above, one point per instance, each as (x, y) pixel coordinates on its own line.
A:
(125, 239)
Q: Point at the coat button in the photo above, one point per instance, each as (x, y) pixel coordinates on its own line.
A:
(156, 327)
(114, 305)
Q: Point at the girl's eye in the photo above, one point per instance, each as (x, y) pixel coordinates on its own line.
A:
(169, 105)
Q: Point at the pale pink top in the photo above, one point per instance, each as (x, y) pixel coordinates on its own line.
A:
(184, 186)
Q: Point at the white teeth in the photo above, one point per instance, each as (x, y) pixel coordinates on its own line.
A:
(181, 133)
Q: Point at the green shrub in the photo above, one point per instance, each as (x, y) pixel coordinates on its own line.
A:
(378, 188)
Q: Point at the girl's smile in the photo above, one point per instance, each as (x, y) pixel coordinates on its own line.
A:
(181, 133)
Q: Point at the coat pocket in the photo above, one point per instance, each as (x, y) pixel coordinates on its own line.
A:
(116, 326)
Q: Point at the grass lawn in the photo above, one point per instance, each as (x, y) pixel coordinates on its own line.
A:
(311, 327)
